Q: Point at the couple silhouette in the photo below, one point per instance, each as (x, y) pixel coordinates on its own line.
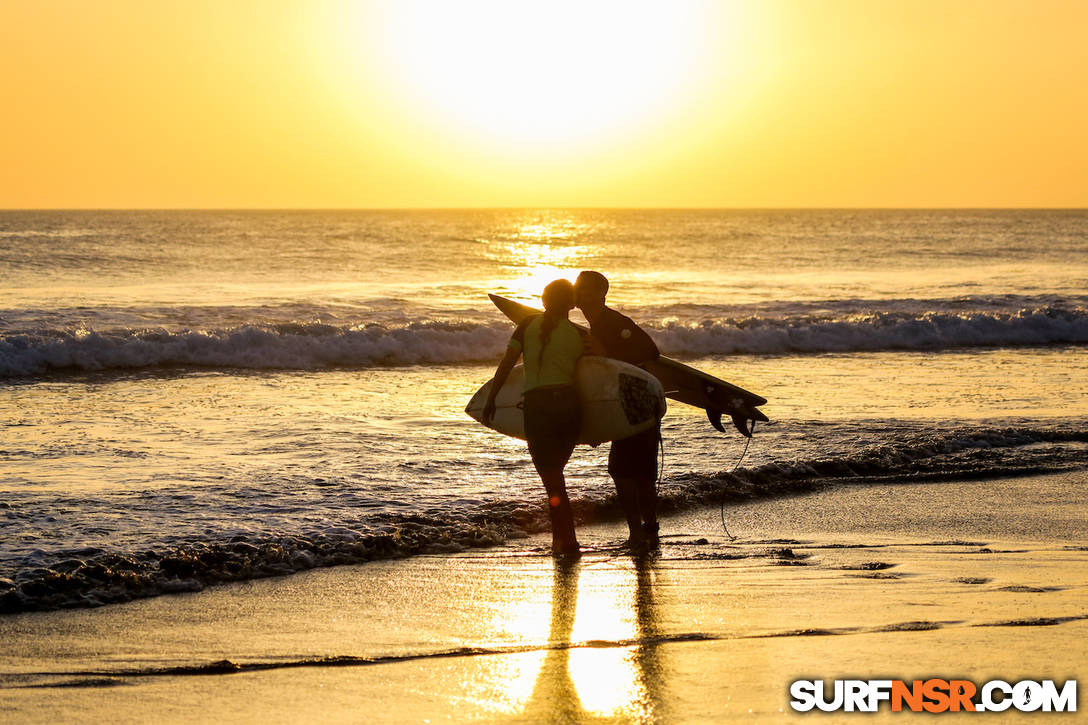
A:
(551, 345)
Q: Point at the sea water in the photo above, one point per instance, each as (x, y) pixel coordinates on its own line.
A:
(188, 397)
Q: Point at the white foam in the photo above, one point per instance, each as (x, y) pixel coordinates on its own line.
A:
(314, 345)
(250, 347)
(927, 331)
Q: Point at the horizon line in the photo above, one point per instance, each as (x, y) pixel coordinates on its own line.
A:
(547, 207)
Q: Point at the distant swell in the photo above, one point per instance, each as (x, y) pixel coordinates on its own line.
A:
(878, 331)
(285, 346)
(309, 346)
(93, 577)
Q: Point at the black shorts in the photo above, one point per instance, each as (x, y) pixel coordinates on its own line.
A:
(552, 423)
(635, 457)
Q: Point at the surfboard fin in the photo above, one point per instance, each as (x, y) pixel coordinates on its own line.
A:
(741, 424)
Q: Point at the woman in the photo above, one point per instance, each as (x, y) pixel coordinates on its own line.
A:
(551, 346)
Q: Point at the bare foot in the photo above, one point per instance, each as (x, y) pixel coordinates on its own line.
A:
(566, 551)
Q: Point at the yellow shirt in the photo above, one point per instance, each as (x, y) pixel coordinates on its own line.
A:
(556, 365)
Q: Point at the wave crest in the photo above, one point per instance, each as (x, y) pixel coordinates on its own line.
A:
(303, 346)
(876, 331)
(312, 345)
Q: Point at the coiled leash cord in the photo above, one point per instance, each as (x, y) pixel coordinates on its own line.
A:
(743, 453)
(661, 468)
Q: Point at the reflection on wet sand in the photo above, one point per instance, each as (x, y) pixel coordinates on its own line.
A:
(648, 653)
(583, 678)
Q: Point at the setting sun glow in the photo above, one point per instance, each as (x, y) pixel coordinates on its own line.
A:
(537, 77)
(527, 103)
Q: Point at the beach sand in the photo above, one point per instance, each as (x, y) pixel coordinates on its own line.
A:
(976, 580)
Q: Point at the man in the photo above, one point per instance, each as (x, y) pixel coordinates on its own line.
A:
(632, 462)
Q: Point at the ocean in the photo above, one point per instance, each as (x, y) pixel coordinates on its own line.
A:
(194, 397)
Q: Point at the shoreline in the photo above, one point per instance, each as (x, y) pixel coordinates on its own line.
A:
(978, 461)
(824, 585)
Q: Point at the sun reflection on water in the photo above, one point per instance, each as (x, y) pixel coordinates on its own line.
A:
(570, 681)
(606, 679)
(537, 250)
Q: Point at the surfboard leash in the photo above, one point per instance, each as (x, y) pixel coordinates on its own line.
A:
(747, 442)
(661, 456)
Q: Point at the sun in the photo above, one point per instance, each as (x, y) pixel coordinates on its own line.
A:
(539, 75)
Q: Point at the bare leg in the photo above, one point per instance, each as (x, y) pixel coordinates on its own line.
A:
(564, 540)
(627, 492)
(647, 504)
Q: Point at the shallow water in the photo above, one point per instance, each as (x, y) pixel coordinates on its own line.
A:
(854, 579)
(192, 397)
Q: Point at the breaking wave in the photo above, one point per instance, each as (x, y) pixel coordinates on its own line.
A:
(878, 331)
(94, 576)
(315, 345)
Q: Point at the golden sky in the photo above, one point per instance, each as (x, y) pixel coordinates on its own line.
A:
(408, 103)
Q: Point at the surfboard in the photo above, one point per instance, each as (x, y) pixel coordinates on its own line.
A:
(617, 400)
(681, 382)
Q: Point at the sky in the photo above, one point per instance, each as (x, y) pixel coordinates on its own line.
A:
(501, 103)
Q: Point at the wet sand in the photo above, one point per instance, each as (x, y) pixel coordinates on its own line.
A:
(975, 580)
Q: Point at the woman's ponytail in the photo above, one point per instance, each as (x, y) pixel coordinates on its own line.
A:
(558, 300)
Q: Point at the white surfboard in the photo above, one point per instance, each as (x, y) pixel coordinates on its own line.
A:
(617, 400)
